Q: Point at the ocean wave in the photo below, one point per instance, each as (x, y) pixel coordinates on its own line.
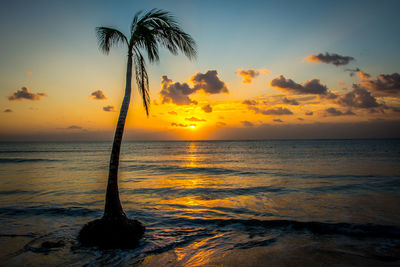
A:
(48, 211)
(319, 228)
(25, 160)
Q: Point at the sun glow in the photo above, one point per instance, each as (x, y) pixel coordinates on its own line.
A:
(192, 126)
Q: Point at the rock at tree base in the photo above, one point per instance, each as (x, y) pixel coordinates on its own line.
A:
(112, 233)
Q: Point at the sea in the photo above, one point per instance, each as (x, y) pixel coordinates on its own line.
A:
(206, 203)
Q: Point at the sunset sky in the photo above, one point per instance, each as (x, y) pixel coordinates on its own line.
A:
(265, 69)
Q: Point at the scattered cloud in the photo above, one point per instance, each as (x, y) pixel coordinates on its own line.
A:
(383, 83)
(209, 82)
(352, 72)
(24, 93)
(207, 108)
(290, 101)
(334, 112)
(177, 93)
(172, 113)
(327, 58)
(220, 124)
(278, 120)
(300, 119)
(181, 125)
(8, 110)
(249, 74)
(273, 111)
(98, 95)
(109, 108)
(358, 98)
(74, 127)
(309, 113)
(247, 123)
(194, 119)
(250, 102)
(313, 86)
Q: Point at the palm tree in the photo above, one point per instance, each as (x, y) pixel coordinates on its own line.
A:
(148, 32)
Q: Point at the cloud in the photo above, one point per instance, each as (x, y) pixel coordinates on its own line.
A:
(247, 123)
(278, 120)
(98, 95)
(172, 113)
(74, 127)
(249, 74)
(313, 86)
(334, 59)
(109, 108)
(176, 93)
(352, 72)
(220, 124)
(290, 101)
(209, 82)
(335, 112)
(181, 124)
(250, 102)
(24, 93)
(8, 110)
(358, 98)
(383, 83)
(194, 119)
(309, 113)
(273, 111)
(300, 119)
(207, 108)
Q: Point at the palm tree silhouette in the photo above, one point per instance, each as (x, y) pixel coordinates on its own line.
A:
(149, 31)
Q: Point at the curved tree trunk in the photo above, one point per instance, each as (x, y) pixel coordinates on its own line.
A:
(113, 207)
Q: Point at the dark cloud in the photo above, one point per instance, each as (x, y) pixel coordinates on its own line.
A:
(220, 124)
(290, 101)
(98, 95)
(273, 111)
(7, 110)
(352, 72)
(247, 123)
(250, 74)
(24, 93)
(109, 108)
(172, 113)
(309, 113)
(74, 127)
(327, 58)
(335, 112)
(207, 108)
(383, 83)
(313, 86)
(250, 102)
(176, 93)
(300, 119)
(194, 119)
(278, 120)
(209, 82)
(359, 98)
(179, 124)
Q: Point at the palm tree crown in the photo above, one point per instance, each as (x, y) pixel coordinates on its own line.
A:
(147, 33)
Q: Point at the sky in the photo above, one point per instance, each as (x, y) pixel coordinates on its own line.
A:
(264, 70)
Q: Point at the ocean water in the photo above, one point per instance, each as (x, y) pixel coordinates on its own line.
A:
(207, 203)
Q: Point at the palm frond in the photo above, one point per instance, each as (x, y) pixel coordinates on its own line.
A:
(108, 37)
(142, 79)
(159, 27)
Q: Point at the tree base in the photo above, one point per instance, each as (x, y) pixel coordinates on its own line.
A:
(119, 232)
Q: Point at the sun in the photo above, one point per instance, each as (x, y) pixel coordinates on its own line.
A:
(192, 126)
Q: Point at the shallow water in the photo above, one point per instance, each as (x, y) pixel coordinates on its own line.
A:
(232, 203)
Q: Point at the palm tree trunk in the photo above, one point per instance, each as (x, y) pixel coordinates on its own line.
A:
(113, 207)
